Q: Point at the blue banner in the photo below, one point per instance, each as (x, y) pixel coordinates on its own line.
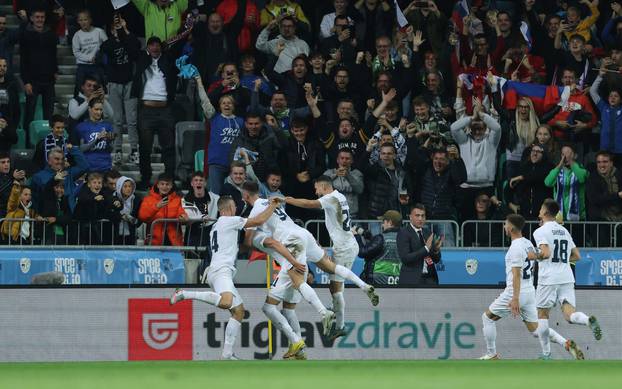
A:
(17, 267)
(487, 267)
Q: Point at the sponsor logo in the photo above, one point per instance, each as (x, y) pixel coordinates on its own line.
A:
(471, 266)
(24, 265)
(159, 331)
(109, 265)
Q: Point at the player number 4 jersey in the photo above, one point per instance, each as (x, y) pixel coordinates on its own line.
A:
(337, 218)
(224, 241)
(556, 269)
(517, 257)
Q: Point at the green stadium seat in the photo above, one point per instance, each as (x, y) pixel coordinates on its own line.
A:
(21, 139)
(38, 130)
(198, 160)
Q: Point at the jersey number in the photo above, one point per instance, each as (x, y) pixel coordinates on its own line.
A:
(527, 270)
(346, 220)
(560, 253)
(279, 212)
(215, 241)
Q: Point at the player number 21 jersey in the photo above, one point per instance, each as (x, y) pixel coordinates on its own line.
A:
(517, 257)
(337, 218)
(556, 269)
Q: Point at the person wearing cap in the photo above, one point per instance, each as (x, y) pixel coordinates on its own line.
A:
(382, 262)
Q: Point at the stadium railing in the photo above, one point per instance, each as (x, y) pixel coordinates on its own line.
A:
(489, 233)
(374, 226)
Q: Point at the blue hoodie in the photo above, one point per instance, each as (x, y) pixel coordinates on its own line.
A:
(223, 131)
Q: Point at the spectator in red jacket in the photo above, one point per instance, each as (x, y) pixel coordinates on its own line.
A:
(163, 202)
(244, 21)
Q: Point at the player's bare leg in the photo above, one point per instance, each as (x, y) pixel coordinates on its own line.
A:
(299, 282)
(270, 309)
(490, 335)
(289, 312)
(572, 316)
(332, 268)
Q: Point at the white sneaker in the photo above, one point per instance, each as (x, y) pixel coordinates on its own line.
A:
(134, 158)
(327, 322)
(177, 296)
(489, 357)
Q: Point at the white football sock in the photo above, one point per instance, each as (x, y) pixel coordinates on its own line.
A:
(348, 274)
(490, 334)
(579, 318)
(280, 322)
(208, 297)
(292, 319)
(543, 336)
(311, 297)
(231, 332)
(339, 306)
(555, 337)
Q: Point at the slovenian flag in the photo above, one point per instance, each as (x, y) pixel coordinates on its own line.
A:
(524, 29)
(401, 18)
(461, 9)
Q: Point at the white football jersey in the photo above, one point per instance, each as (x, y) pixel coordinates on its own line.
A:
(278, 225)
(517, 257)
(337, 219)
(556, 269)
(224, 241)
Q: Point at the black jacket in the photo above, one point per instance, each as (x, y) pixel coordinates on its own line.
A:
(9, 109)
(266, 144)
(531, 191)
(166, 65)
(211, 50)
(52, 206)
(38, 55)
(370, 251)
(598, 197)
(383, 186)
(120, 56)
(412, 253)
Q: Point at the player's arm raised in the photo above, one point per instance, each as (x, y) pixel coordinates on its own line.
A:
(575, 255)
(264, 215)
(303, 203)
(516, 278)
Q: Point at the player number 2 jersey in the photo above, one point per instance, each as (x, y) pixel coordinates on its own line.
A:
(337, 218)
(556, 269)
(517, 257)
(224, 241)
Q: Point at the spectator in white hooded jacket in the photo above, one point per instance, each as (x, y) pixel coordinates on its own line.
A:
(478, 137)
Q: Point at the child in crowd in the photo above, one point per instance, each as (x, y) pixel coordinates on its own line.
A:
(86, 44)
(93, 205)
(56, 138)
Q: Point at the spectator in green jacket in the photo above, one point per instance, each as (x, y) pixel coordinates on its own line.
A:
(568, 182)
(162, 17)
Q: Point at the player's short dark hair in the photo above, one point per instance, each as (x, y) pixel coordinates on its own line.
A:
(112, 173)
(56, 118)
(5, 154)
(387, 144)
(251, 187)
(223, 202)
(604, 153)
(299, 123)
(197, 173)
(90, 77)
(346, 150)
(166, 177)
(154, 39)
(323, 179)
(516, 220)
(274, 172)
(253, 115)
(419, 206)
(551, 207)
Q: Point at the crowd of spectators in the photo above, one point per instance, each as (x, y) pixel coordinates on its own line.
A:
(440, 111)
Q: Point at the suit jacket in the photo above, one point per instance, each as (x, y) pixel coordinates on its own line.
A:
(412, 253)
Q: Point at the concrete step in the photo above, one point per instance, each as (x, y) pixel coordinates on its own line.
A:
(66, 60)
(67, 69)
(64, 89)
(6, 7)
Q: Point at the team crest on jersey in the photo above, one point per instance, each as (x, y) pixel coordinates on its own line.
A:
(471, 266)
(109, 265)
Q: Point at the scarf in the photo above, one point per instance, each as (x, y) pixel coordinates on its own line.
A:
(51, 142)
(377, 65)
(24, 230)
(572, 213)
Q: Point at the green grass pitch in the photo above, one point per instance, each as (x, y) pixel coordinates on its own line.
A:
(313, 374)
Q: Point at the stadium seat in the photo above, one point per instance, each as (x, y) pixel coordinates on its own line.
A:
(22, 159)
(38, 130)
(190, 137)
(198, 160)
(21, 139)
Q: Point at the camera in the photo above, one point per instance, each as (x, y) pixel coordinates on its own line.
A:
(421, 4)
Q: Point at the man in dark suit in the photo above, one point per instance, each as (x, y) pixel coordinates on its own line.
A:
(418, 250)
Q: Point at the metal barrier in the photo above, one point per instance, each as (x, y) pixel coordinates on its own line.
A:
(193, 232)
(374, 226)
(489, 233)
(40, 232)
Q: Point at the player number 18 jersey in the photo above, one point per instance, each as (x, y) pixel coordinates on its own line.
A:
(556, 269)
